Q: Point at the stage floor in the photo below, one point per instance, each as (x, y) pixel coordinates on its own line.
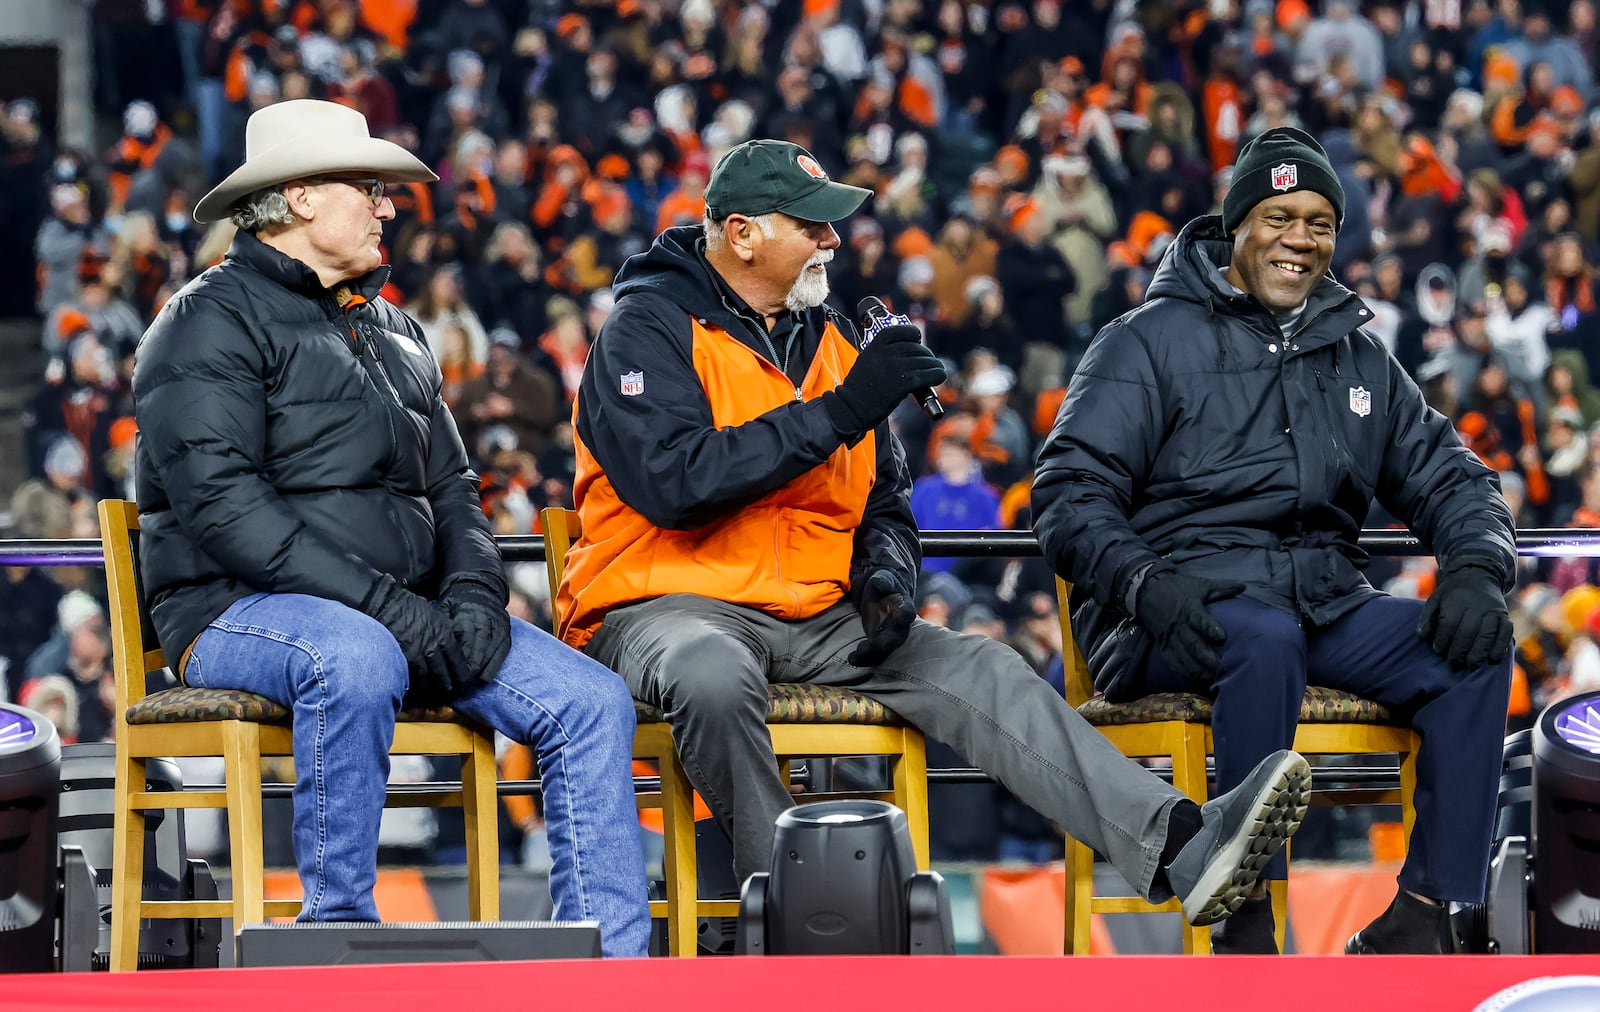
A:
(816, 984)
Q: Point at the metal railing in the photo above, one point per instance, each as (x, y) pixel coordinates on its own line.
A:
(1540, 542)
(1544, 542)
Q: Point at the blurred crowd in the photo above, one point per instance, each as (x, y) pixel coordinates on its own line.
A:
(1031, 161)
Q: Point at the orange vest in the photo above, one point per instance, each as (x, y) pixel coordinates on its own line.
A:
(788, 553)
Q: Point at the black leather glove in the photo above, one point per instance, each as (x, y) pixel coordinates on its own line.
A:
(891, 366)
(423, 632)
(887, 613)
(1466, 619)
(481, 626)
(1172, 607)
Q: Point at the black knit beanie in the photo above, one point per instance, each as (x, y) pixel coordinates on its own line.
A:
(1280, 161)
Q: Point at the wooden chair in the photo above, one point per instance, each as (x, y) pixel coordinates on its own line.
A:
(804, 721)
(242, 728)
(1176, 726)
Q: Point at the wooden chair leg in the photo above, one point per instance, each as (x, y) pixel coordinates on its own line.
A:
(1189, 776)
(1408, 790)
(241, 756)
(911, 792)
(479, 809)
(127, 862)
(1080, 898)
(678, 859)
(1279, 889)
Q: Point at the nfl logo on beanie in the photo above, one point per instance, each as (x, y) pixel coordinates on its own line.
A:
(1282, 160)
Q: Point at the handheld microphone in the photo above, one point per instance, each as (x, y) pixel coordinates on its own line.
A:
(875, 316)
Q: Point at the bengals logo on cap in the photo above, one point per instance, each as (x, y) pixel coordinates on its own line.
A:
(811, 167)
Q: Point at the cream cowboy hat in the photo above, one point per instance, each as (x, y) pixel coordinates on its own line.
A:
(304, 137)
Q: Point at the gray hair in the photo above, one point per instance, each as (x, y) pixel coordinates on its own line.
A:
(716, 235)
(262, 209)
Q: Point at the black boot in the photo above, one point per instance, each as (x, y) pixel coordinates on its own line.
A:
(1408, 925)
(1248, 931)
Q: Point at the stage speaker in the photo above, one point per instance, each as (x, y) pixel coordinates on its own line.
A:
(88, 776)
(316, 944)
(1566, 826)
(844, 881)
(30, 758)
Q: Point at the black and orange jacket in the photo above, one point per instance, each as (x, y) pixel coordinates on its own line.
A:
(706, 467)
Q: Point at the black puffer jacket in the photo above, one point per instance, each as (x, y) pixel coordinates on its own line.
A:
(291, 446)
(1193, 431)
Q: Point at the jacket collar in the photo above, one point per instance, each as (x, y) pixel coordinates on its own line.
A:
(295, 275)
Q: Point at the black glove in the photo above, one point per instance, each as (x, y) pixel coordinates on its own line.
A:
(1466, 618)
(423, 632)
(1172, 607)
(890, 367)
(481, 626)
(886, 613)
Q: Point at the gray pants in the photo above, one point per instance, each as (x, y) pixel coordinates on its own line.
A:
(707, 664)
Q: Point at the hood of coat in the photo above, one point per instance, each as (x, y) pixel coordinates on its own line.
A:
(675, 268)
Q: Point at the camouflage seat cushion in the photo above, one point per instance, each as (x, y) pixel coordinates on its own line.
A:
(186, 704)
(806, 704)
(1320, 706)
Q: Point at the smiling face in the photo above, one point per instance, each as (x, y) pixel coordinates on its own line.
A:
(1283, 248)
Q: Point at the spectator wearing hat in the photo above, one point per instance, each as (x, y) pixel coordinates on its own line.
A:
(383, 575)
(1516, 324)
(987, 323)
(102, 280)
(59, 247)
(686, 202)
(1151, 498)
(79, 650)
(510, 391)
(954, 497)
(1036, 278)
(1566, 449)
(1000, 436)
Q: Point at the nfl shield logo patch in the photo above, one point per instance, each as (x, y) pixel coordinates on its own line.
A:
(1285, 176)
(633, 384)
(1360, 401)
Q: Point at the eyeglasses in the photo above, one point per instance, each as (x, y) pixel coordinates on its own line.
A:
(373, 188)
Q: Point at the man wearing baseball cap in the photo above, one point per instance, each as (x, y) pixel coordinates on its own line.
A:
(1204, 489)
(312, 532)
(746, 520)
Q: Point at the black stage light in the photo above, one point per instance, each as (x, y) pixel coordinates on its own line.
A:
(30, 760)
(844, 880)
(1566, 826)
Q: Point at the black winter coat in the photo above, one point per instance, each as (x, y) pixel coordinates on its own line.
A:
(1195, 432)
(287, 445)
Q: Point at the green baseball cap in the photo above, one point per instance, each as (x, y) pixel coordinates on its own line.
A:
(760, 176)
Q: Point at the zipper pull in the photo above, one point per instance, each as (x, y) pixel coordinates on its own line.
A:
(1319, 380)
(797, 394)
(355, 338)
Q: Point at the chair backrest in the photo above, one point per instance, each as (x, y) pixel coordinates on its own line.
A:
(134, 651)
(1079, 683)
(561, 528)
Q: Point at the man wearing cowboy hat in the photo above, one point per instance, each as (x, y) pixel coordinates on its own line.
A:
(312, 532)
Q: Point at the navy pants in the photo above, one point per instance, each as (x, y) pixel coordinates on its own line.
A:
(1265, 665)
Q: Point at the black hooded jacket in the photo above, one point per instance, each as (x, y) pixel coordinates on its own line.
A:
(287, 445)
(1194, 431)
(665, 456)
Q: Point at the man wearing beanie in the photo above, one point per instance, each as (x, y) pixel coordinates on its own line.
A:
(1204, 487)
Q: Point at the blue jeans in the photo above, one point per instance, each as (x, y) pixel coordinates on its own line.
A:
(343, 675)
